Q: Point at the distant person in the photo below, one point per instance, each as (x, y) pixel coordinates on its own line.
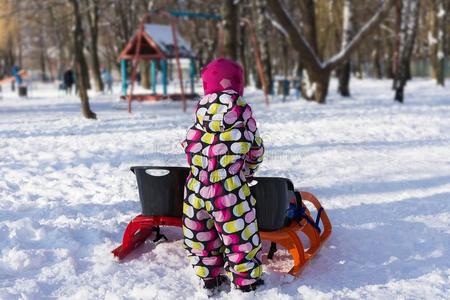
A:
(69, 80)
(16, 74)
(18, 79)
(138, 78)
(107, 80)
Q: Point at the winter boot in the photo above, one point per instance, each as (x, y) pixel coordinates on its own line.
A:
(212, 283)
(251, 287)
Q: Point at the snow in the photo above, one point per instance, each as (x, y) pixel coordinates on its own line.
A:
(381, 169)
(162, 35)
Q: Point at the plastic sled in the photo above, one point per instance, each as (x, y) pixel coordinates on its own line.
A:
(161, 196)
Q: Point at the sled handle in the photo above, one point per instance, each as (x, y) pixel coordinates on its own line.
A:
(327, 228)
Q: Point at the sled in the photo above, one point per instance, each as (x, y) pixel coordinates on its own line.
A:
(274, 195)
(22, 73)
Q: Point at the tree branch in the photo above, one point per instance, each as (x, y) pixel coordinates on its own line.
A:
(311, 60)
(364, 32)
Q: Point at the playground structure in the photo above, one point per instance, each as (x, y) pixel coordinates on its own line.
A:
(161, 196)
(158, 43)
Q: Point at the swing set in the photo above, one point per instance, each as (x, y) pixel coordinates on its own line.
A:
(158, 43)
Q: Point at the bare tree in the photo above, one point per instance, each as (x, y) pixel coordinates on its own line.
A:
(80, 62)
(347, 33)
(92, 13)
(408, 31)
(318, 73)
(436, 39)
(243, 44)
(260, 15)
(230, 22)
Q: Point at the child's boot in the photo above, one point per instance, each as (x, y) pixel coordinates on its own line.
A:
(251, 287)
(215, 283)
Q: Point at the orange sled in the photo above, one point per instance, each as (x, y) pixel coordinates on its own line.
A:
(161, 195)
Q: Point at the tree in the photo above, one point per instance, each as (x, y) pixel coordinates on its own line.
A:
(92, 16)
(408, 31)
(58, 34)
(243, 46)
(229, 22)
(80, 61)
(259, 11)
(318, 72)
(347, 33)
(436, 39)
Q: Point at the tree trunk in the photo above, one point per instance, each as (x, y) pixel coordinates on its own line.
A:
(259, 9)
(437, 41)
(396, 55)
(388, 53)
(92, 16)
(344, 79)
(42, 57)
(347, 33)
(315, 85)
(80, 61)
(377, 72)
(242, 50)
(285, 51)
(307, 8)
(308, 16)
(230, 21)
(376, 63)
(410, 14)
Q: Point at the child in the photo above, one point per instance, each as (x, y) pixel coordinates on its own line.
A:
(223, 149)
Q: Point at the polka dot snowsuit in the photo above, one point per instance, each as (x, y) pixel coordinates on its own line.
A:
(223, 148)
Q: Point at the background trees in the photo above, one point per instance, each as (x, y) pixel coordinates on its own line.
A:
(298, 39)
(408, 32)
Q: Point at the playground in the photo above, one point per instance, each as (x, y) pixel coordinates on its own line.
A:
(381, 171)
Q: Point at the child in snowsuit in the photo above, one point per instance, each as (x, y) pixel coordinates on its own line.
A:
(223, 149)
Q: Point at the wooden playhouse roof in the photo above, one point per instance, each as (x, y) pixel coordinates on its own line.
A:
(156, 43)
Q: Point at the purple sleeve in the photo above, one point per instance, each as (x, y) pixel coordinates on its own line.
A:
(255, 155)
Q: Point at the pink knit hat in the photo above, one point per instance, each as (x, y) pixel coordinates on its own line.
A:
(223, 74)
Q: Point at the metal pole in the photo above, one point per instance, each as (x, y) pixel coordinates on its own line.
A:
(163, 63)
(153, 74)
(177, 56)
(123, 72)
(259, 66)
(192, 75)
(134, 63)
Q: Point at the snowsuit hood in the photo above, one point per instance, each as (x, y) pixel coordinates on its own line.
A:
(221, 111)
(223, 74)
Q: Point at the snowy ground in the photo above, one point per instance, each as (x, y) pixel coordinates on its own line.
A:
(382, 170)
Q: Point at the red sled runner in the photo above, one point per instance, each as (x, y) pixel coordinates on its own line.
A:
(281, 213)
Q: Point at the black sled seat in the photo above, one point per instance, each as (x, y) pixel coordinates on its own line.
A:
(161, 191)
(273, 196)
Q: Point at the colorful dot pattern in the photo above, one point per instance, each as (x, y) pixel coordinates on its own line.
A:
(223, 148)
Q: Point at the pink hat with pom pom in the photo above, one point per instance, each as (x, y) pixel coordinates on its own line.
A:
(223, 74)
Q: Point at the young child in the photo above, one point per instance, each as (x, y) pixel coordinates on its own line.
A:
(223, 149)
